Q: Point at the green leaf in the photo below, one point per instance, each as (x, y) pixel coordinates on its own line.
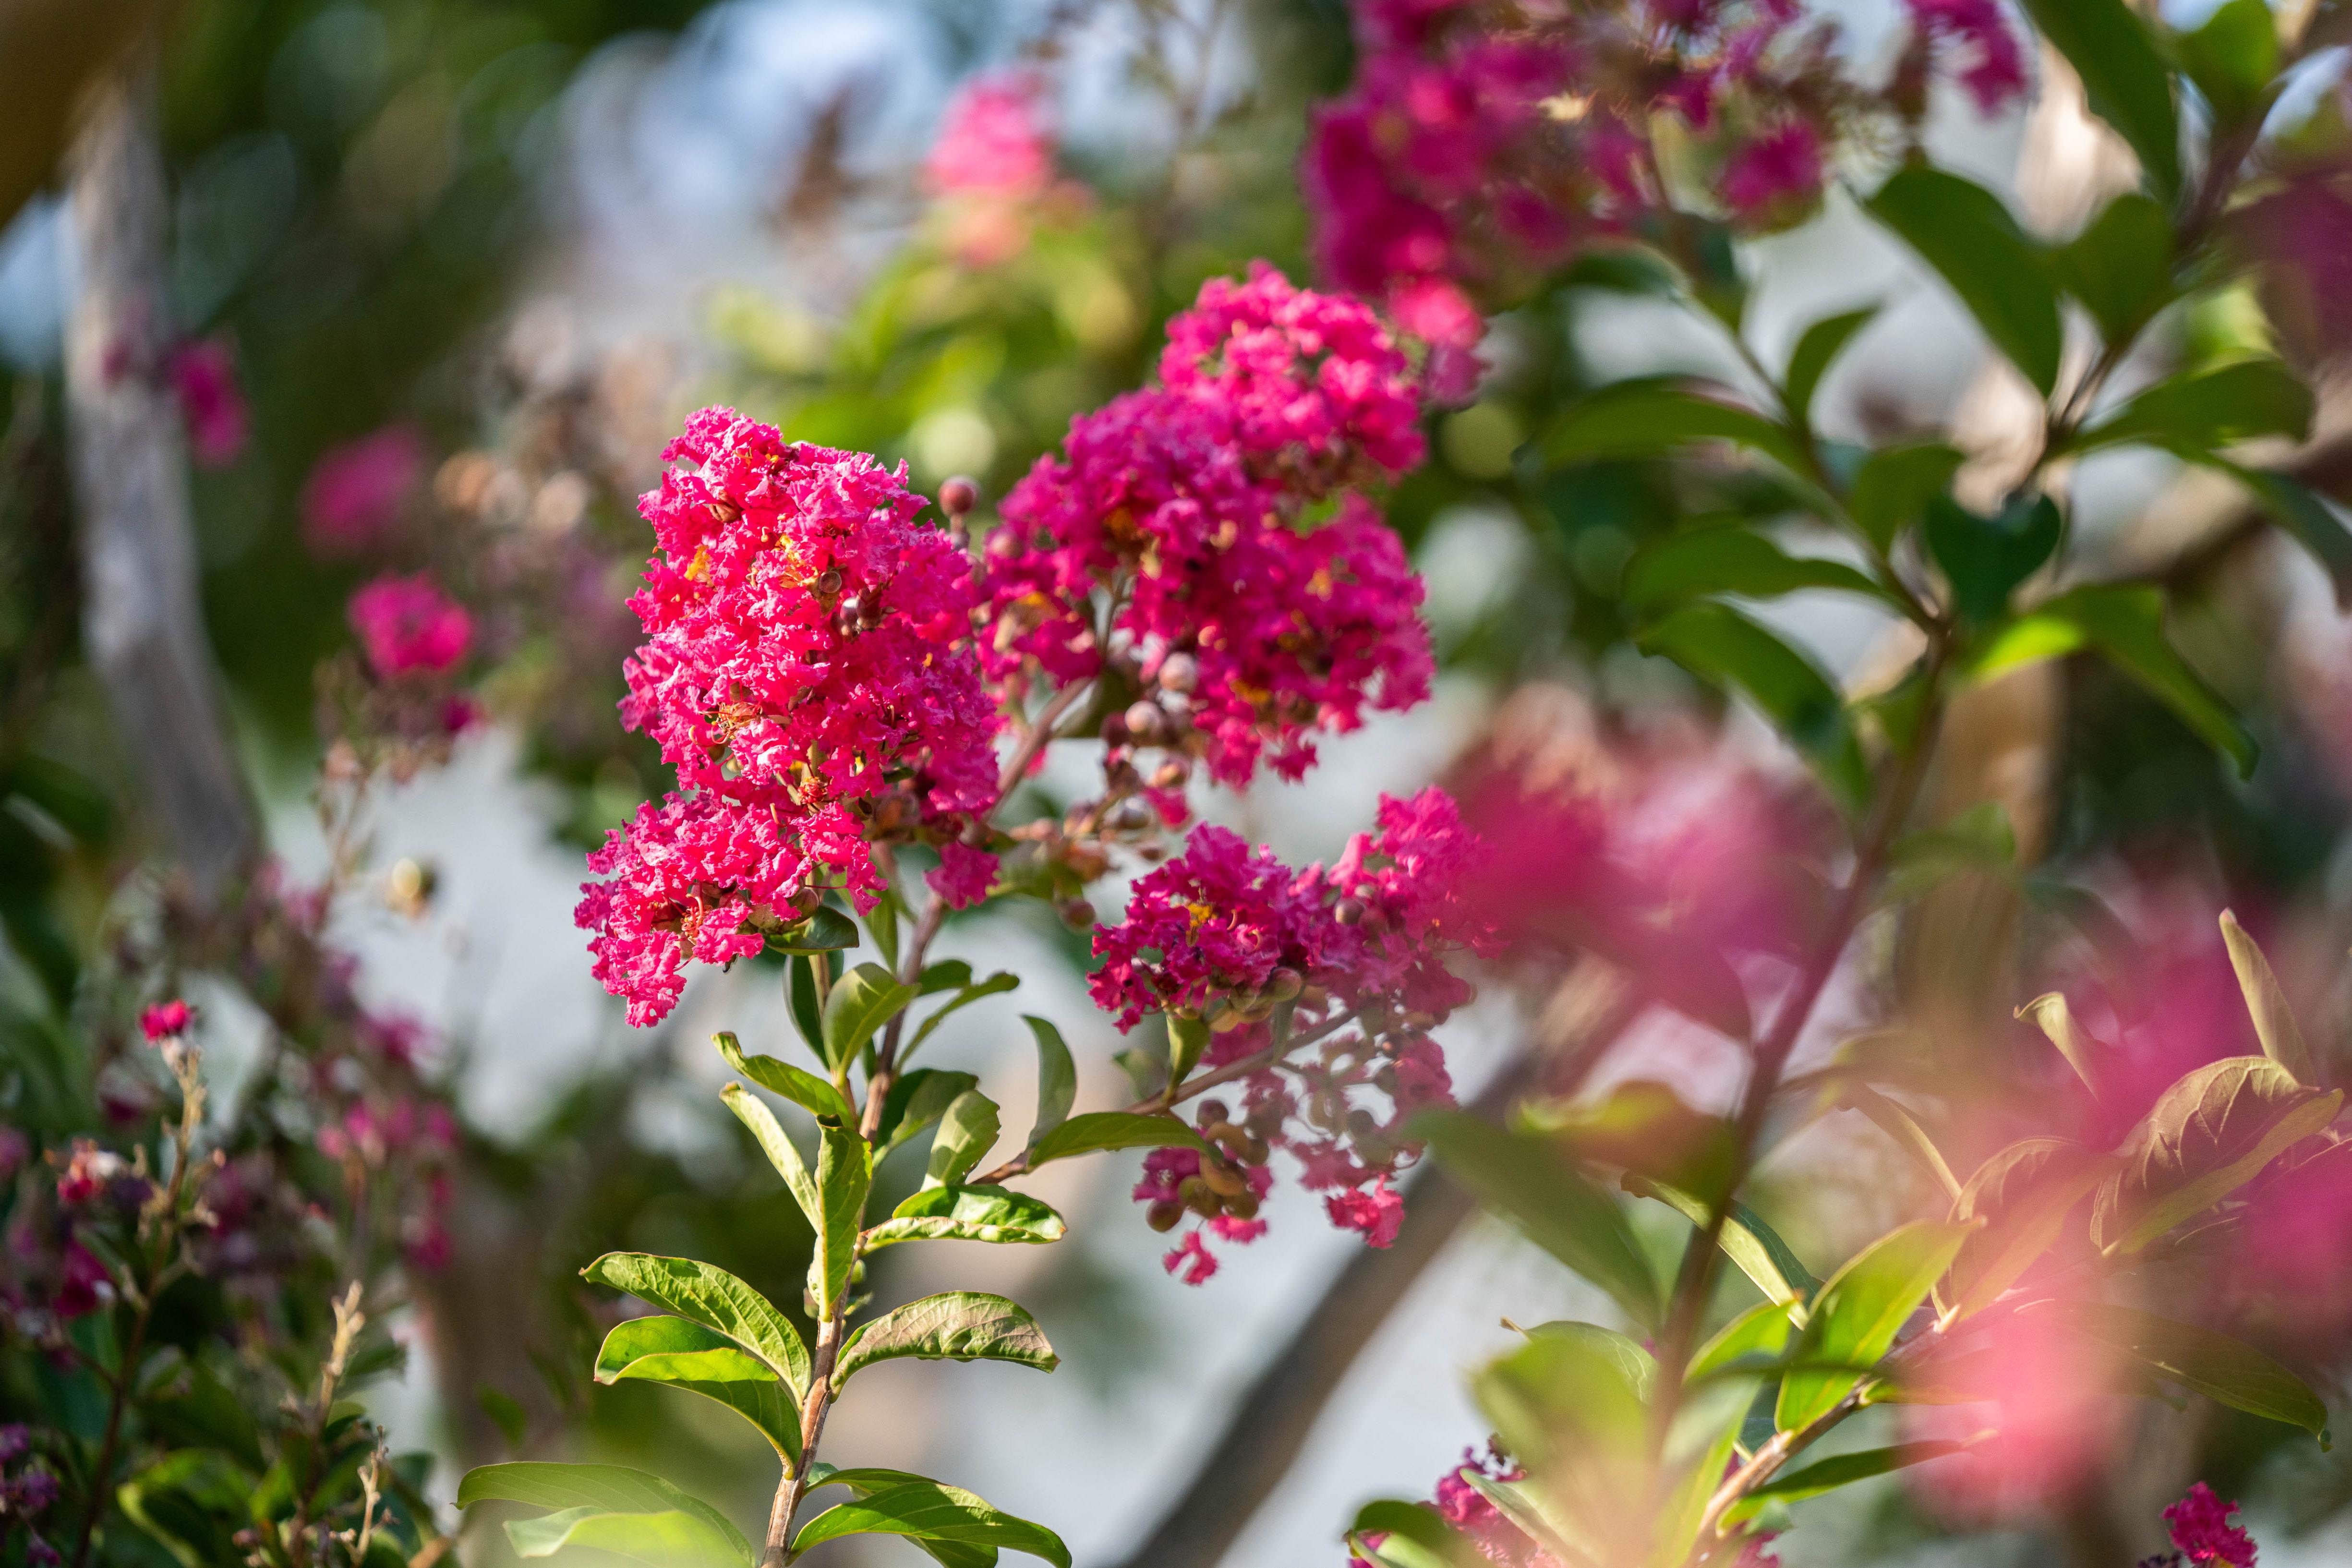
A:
(1645, 1127)
(604, 1490)
(1748, 1242)
(2120, 267)
(958, 1325)
(967, 1214)
(2274, 1022)
(1985, 558)
(928, 1510)
(916, 1100)
(2024, 1194)
(2208, 1135)
(1840, 1470)
(685, 1355)
(861, 1001)
(673, 1538)
(1187, 1039)
(781, 1151)
(2302, 512)
(866, 1480)
(1730, 560)
(882, 921)
(1649, 415)
(2228, 1370)
(1894, 484)
(1417, 1536)
(995, 985)
(844, 1172)
(2123, 76)
(1718, 644)
(803, 990)
(1858, 1314)
(2089, 1056)
(1057, 1078)
(1961, 230)
(1761, 1332)
(1980, 839)
(2232, 58)
(2126, 626)
(1812, 355)
(827, 931)
(803, 1087)
(1098, 1130)
(947, 975)
(1572, 1405)
(2205, 409)
(966, 1131)
(716, 1299)
(1556, 1207)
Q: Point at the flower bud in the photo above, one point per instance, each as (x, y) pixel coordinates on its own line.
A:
(1179, 672)
(1147, 722)
(852, 609)
(1242, 1205)
(958, 496)
(1222, 1180)
(1285, 983)
(1213, 1111)
(1131, 815)
(1349, 912)
(1077, 914)
(1163, 1215)
(828, 582)
(1196, 1195)
(1173, 774)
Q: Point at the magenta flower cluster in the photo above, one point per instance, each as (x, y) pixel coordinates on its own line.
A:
(407, 625)
(2201, 1531)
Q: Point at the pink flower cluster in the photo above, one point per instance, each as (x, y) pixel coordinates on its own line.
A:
(353, 496)
(1169, 537)
(212, 405)
(989, 141)
(807, 671)
(165, 1019)
(407, 625)
(2200, 1530)
(1353, 956)
(1481, 143)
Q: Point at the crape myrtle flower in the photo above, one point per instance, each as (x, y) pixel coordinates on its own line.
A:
(352, 501)
(2201, 1531)
(407, 625)
(203, 373)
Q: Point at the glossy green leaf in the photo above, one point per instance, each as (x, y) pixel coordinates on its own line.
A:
(2208, 1135)
(803, 1087)
(804, 982)
(606, 1492)
(929, 1510)
(1961, 230)
(1647, 416)
(916, 1100)
(958, 1325)
(2231, 57)
(2024, 1194)
(1748, 1242)
(781, 1151)
(1730, 560)
(674, 1539)
(1718, 644)
(2229, 1371)
(1557, 1209)
(1820, 346)
(2120, 267)
(1894, 484)
(2126, 626)
(967, 1214)
(2206, 409)
(716, 1299)
(1187, 1039)
(1840, 1470)
(844, 1172)
(2274, 1022)
(827, 931)
(861, 1001)
(866, 1480)
(1099, 1129)
(947, 975)
(966, 1131)
(994, 985)
(1858, 1314)
(1057, 1078)
(1985, 558)
(684, 1354)
(2124, 77)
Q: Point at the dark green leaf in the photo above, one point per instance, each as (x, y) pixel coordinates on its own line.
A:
(947, 975)
(1187, 1039)
(2023, 1193)
(929, 1510)
(2123, 76)
(2302, 512)
(2120, 267)
(1841, 1470)
(1057, 1078)
(1812, 355)
(959, 1325)
(685, 1355)
(2208, 1135)
(781, 1151)
(2274, 1022)
(827, 931)
(2232, 57)
(2205, 409)
(1985, 558)
(803, 1087)
(916, 1100)
(1557, 1208)
(1734, 560)
(1718, 644)
(861, 1001)
(844, 1172)
(967, 1214)
(1857, 1313)
(716, 1299)
(966, 1131)
(1894, 485)
(1648, 416)
(1098, 1130)
(1961, 230)
(804, 989)
(604, 1490)
(1759, 1334)
(2229, 1371)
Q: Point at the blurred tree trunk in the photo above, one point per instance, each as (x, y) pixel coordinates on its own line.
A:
(142, 624)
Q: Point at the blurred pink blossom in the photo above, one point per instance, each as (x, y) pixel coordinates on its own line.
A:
(203, 377)
(406, 625)
(992, 142)
(354, 494)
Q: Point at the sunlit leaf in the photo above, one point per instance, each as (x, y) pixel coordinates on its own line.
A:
(1857, 1313)
(1099, 1129)
(587, 1492)
(684, 1354)
(803, 1087)
(958, 1325)
(929, 1510)
(2229, 1371)
(1057, 1078)
(860, 1002)
(916, 1100)
(2274, 1022)
(967, 1214)
(1961, 230)
(844, 1172)
(2208, 1135)
(716, 1299)
(2024, 1194)
(781, 1151)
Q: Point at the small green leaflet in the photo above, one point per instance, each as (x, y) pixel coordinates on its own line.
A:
(685, 1355)
(2230, 1371)
(861, 1001)
(716, 1299)
(843, 1174)
(1858, 1314)
(1057, 1078)
(926, 1510)
(586, 1491)
(803, 1087)
(967, 1213)
(966, 1131)
(956, 1325)
(1099, 1129)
